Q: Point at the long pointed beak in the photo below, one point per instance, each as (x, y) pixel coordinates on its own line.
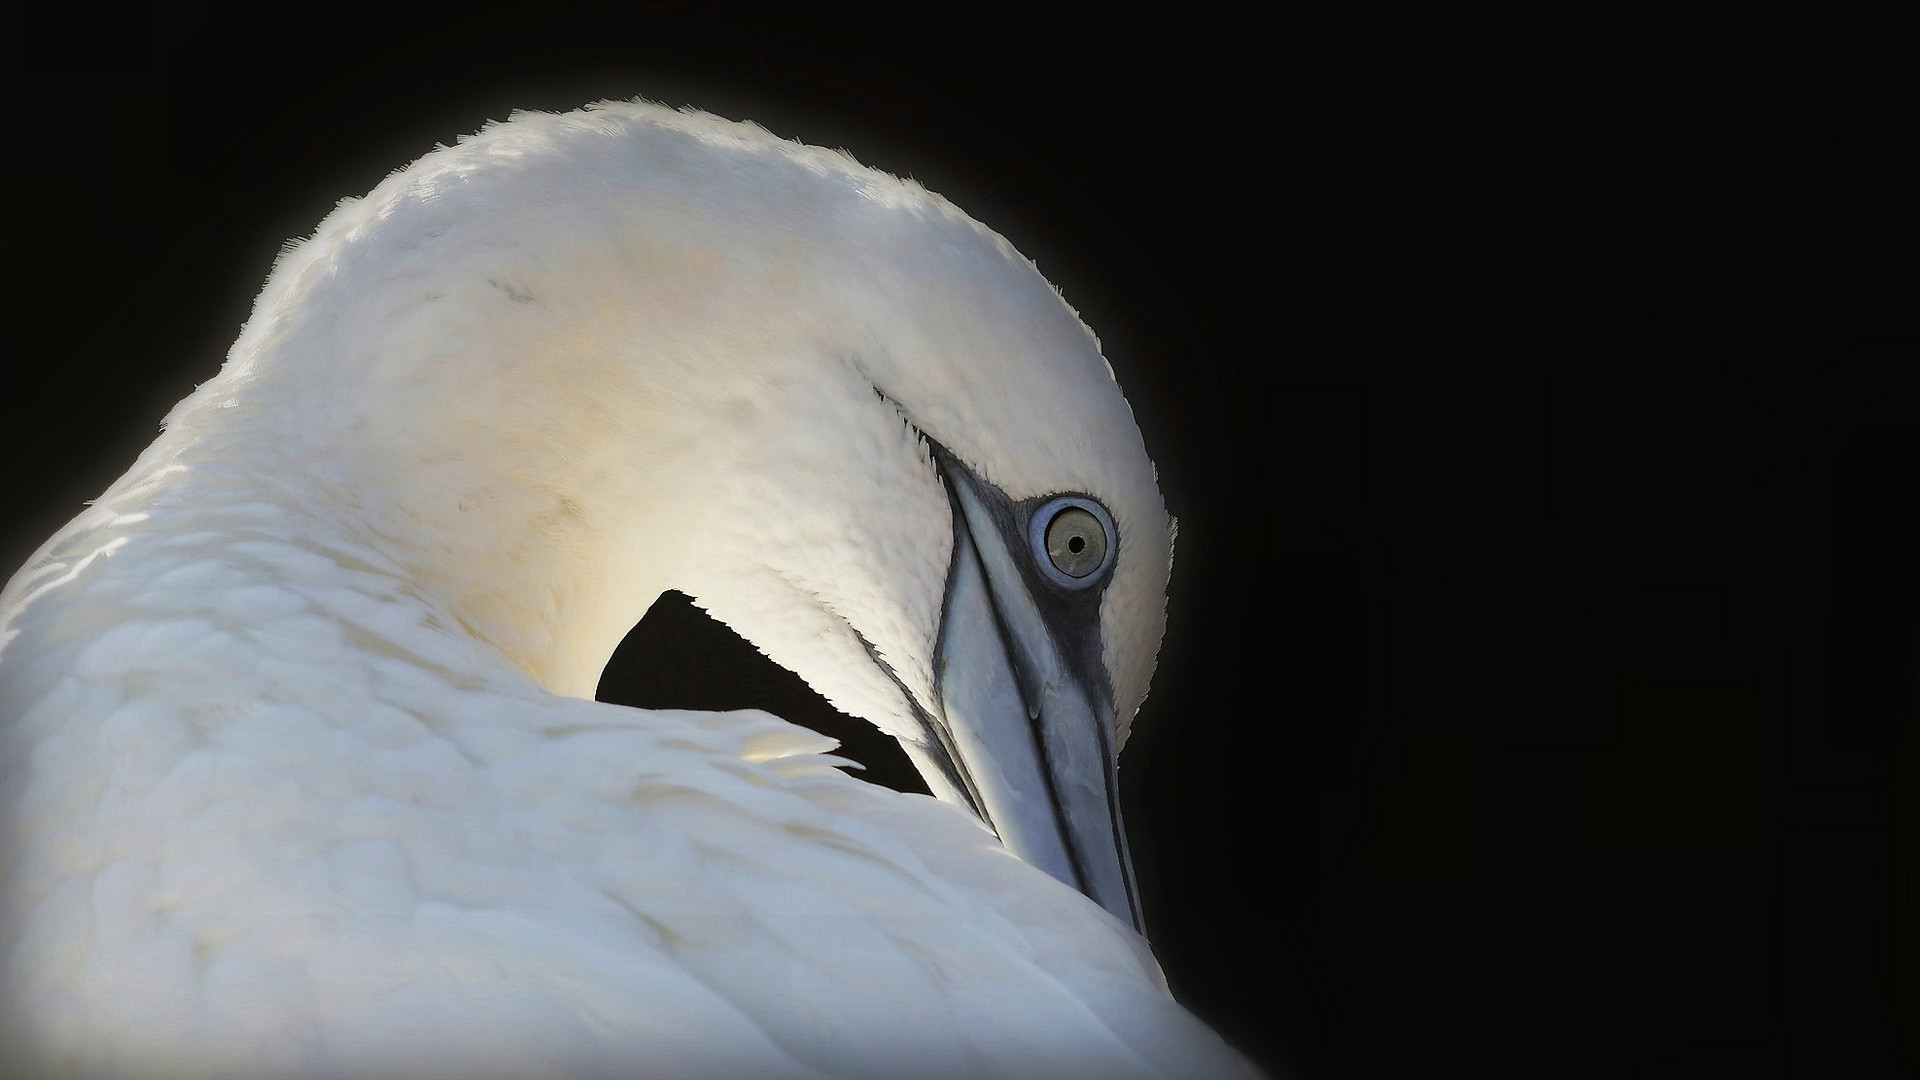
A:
(1024, 737)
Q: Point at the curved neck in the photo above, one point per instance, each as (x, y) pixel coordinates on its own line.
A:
(558, 369)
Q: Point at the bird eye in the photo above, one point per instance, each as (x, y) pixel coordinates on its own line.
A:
(1074, 539)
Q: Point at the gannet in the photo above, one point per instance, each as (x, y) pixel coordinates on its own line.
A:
(300, 773)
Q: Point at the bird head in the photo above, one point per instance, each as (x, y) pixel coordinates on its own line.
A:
(578, 360)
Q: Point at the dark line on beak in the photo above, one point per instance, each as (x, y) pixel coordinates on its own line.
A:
(1113, 818)
(951, 762)
(1034, 722)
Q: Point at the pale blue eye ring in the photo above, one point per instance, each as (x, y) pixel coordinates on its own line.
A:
(1073, 541)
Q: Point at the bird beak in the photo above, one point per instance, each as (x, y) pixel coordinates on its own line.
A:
(1023, 731)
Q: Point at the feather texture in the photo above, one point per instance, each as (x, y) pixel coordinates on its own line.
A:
(284, 794)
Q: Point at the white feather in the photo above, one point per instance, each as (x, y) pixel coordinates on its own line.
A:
(299, 777)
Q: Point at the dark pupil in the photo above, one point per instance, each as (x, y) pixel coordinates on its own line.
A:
(1077, 544)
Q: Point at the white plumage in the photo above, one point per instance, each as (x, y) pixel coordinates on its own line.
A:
(299, 776)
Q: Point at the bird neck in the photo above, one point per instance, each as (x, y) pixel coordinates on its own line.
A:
(537, 423)
(597, 368)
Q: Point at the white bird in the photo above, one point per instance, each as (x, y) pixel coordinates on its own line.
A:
(300, 770)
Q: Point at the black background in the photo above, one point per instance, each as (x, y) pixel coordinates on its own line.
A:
(1538, 407)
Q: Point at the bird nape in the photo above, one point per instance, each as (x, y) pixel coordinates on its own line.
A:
(300, 767)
